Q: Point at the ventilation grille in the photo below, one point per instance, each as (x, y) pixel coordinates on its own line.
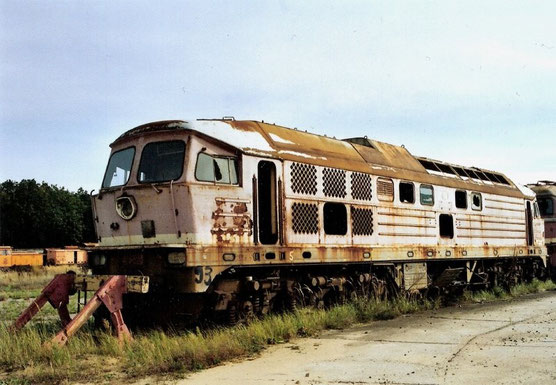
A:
(304, 178)
(385, 189)
(361, 187)
(334, 182)
(305, 218)
(361, 221)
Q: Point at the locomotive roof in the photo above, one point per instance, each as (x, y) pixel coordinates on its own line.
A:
(355, 154)
(544, 188)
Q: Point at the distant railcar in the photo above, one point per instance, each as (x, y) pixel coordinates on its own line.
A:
(10, 259)
(235, 218)
(70, 255)
(27, 258)
(5, 256)
(546, 198)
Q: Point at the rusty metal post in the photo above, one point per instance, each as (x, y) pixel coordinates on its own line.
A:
(111, 295)
(57, 293)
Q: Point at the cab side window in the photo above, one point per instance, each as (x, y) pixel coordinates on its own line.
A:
(426, 193)
(407, 194)
(476, 201)
(216, 169)
(461, 199)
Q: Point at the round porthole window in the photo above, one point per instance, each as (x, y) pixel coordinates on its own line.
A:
(126, 207)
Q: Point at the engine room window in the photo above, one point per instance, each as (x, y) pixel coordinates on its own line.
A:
(216, 169)
(546, 206)
(119, 168)
(476, 201)
(161, 161)
(461, 199)
(406, 192)
(335, 218)
(426, 193)
(446, 226)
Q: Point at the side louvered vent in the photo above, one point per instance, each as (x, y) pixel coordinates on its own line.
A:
(305, 218)
(334, 182)
(385, 189)
(361, 221)
(361, 186)
(304, 178)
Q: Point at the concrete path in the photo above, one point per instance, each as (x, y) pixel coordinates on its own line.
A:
(498, 343)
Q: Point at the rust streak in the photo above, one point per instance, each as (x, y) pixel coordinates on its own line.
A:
(489, 236)
(406, 215)
(488, 229)
(503, 208)
(406, 225)
(487, 221)
(490, 216)
(503, 201)
(407, 235)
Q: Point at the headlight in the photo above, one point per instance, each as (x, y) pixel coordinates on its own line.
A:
(126, 207)
(176, 257)
(99, 260)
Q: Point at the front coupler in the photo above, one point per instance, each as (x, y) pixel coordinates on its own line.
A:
(109, 291)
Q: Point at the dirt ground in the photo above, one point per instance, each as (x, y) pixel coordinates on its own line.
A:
(511, 342)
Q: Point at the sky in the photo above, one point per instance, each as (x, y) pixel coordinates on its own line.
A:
(467, 82)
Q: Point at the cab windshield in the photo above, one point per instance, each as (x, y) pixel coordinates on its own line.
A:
(161, 161)
(119, 168)
(546, 207)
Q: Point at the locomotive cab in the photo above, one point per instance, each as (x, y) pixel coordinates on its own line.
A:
(166, 195)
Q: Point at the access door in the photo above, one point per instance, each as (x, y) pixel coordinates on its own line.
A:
(529, 218)
(267, 203)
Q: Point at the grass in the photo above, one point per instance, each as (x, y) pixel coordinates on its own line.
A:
(498, 293)
(38, 277)
(26, 359)
(28, 284)
(18, 289)
(158, 352)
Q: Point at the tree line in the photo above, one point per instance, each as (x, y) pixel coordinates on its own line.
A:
(34, 215)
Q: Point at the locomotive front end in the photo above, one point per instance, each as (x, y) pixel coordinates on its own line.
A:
(143, 213)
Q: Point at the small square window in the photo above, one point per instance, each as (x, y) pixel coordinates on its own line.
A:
(461, 199)
(426, 193)
(476, 201)
(407, 194)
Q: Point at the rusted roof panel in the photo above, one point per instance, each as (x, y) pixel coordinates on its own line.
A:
(356, 154)
(388, 155)
(301, 146)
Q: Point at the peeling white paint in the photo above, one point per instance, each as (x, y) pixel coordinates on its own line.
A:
(251, 151)
(279, 139)
(382, 168)
(526, 191)
(224, 132)
(302, 155)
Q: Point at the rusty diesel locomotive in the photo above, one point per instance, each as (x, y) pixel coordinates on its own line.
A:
(236, 218)
(546, 199)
